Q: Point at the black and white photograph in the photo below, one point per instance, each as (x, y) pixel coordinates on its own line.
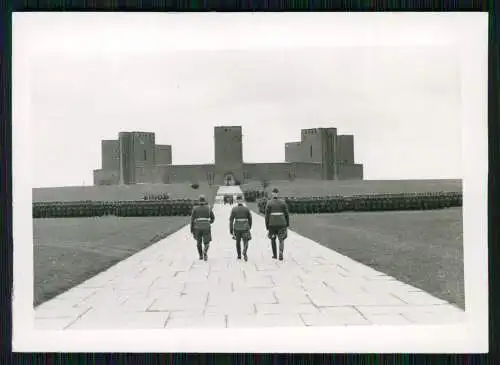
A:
(266, 182)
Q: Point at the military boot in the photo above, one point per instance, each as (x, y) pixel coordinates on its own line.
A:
(205, 252)
(273, 247)
(238, 249)
(245, 249)
(282, 247)
(200, 250)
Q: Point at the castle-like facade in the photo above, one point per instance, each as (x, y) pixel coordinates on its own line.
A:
(136, 158)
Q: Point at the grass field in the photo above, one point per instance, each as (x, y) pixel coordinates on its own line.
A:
(122, 192)
(305, 188)
(421, 248)
(69, 251)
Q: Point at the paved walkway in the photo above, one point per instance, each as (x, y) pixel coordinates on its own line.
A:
(166, 286)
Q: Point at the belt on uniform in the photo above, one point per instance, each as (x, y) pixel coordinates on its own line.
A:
(241, 219)
(277, 213)
(202, 219)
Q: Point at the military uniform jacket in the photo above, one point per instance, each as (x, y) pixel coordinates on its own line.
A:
(276, 214)
(201, 217)
(240, 213)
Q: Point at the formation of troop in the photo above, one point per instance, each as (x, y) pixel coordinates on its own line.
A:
(277, 221)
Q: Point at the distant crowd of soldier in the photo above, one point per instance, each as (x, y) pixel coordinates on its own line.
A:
(277, 221)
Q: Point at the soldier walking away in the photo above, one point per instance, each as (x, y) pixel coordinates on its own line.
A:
(277, 221)
(202, 218)
(240, 224)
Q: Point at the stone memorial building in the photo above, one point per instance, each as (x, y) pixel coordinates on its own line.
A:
(136, 158)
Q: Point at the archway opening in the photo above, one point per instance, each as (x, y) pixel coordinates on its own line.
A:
(229, 179)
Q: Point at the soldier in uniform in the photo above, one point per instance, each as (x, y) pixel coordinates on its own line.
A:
(277, 221)
(202, 218)
(240, 224)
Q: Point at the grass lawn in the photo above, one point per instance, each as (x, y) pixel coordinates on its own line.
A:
(71, 250)
(421, 248)
(122, 192)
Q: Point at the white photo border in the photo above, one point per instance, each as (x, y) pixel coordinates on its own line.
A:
(468, 31)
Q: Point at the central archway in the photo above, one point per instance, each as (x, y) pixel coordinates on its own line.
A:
(229, 179)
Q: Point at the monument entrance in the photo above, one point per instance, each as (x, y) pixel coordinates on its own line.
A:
(229, 179)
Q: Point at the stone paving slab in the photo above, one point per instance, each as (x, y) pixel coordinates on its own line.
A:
(270, 320)
(201, 321)
(339, 316)
(166, 286)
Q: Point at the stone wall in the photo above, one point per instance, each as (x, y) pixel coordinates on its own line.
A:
(349, 171)
(137, 150)
(163, 155)
(281, 171)
(307, 170)
(310, 146)
(168, 174)
(313, 145)
(110, 154)
(228, 147)
(328, 148)
(106, 177)
(228, 153)
(144, 174)
(185, 173)
(265, 171)
(345, 149)
(293, 152)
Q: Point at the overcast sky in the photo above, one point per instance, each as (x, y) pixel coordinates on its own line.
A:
(401, 102)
